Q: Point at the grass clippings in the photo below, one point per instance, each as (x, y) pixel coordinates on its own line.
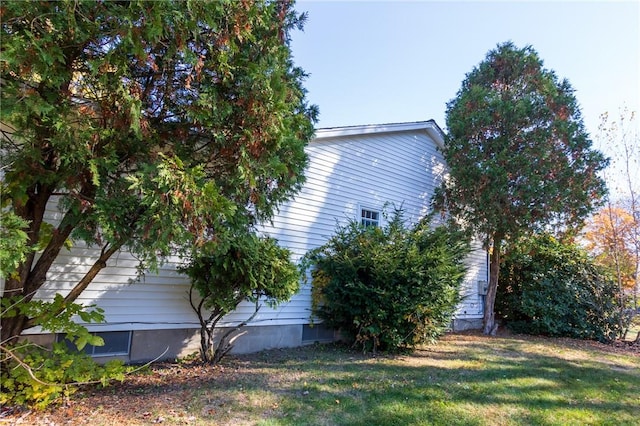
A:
(465, 379)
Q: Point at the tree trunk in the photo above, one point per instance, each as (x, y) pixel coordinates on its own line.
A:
(224, 345)
(11, 328)
(206, 329)
(206, 339)
(490, 326)
(31, 275)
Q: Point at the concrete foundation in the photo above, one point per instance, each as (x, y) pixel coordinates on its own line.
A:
(160, 345)
(467, 324)
(148, 345)
(44, 340)
(169, 344)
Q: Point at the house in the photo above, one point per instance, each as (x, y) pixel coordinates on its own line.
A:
(353, 172)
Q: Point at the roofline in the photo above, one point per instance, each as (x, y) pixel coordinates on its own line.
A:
(430, 126)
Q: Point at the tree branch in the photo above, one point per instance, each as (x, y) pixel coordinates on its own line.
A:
(84, 282)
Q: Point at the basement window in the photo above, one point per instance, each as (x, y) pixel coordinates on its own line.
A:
(115, 343)
(317, 333)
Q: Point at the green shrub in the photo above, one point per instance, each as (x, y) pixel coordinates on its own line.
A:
(242, 267)
(553, 288)
(35, 376)
(13, 239)
(388, 288)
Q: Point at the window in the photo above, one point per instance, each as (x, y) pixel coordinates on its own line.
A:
(115, 343)
(317, 333)
(369, 217)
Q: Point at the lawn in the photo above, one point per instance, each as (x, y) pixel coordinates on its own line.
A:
(466, 379)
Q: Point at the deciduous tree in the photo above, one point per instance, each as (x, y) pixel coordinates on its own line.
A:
(519, 157)
(610, 235)
(623, 179)
(149, 125)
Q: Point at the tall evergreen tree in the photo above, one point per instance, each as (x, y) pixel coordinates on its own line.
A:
(519, 156)
(150, 125)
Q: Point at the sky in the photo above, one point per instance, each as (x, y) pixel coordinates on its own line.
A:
(375, 62)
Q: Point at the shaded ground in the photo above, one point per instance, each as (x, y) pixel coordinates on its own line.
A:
(190, 393)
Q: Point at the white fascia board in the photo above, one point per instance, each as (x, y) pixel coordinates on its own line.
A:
(430, 127)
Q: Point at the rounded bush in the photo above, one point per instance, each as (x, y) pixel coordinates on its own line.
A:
(553, 288)
(388, 288)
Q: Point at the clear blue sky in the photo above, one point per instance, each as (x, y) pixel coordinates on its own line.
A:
(381, 62)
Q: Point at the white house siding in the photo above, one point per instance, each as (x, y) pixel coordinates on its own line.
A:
(155, 308)
(371, 166)
(349, 168)
(155, 301)
(470, 311)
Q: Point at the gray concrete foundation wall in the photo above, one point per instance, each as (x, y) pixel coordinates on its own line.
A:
(169, 344)
(255, 339)
(467, 324)
(147, 345)
(160, 345)
(44, 340)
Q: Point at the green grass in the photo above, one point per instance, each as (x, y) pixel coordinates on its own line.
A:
(463, 380)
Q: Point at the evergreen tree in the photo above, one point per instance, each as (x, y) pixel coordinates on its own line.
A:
(519, 157)
(152, 126)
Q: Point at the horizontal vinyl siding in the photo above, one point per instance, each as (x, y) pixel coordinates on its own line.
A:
(348, 172)
(343, 173)
(472, 303)
(155, 300)
(371, 170)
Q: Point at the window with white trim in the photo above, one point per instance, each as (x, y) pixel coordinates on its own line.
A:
(369, 217)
